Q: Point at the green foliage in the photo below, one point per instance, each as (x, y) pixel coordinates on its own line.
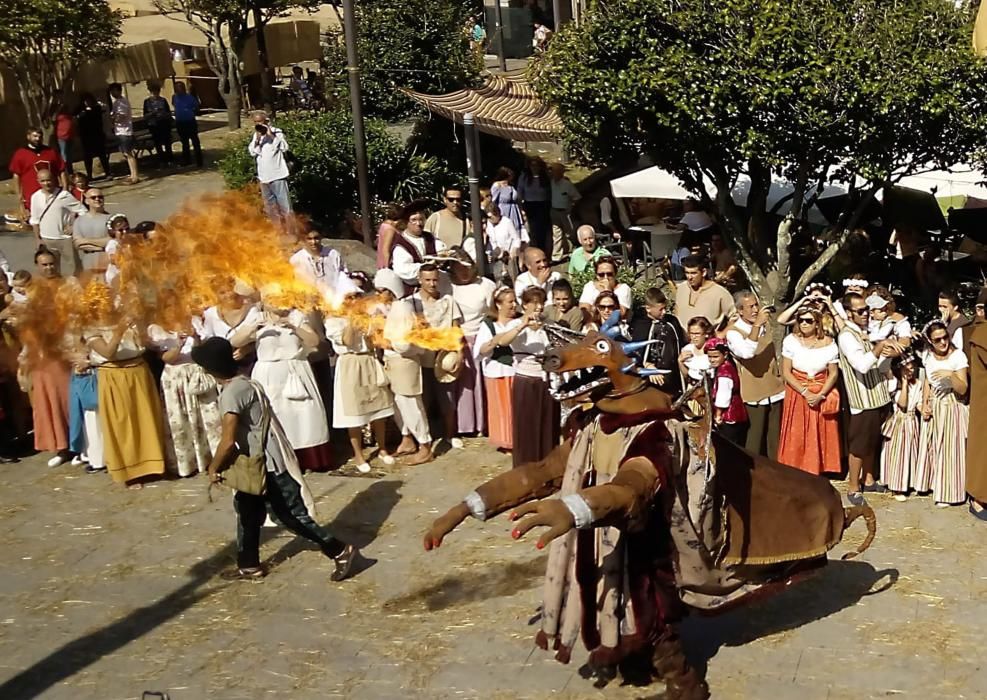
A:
(416, 44)
(45, 42)
(323, 185)
(863, 91)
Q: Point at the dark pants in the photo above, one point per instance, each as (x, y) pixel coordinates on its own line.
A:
(762, 438)
(540, 225)
(161, 135)
(284, 497)
(95, 149)
(189, 131)
(736, 433)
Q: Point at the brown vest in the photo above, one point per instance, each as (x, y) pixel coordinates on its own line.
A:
(760, 378)
(401, 242)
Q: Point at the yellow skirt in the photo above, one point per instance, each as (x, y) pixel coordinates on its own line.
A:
(131, 421)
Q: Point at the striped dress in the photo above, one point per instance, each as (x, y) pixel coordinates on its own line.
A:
(942, 452)
(902, 433)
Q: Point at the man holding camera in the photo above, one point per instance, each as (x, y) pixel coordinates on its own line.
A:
(761, 387)
(268, 147)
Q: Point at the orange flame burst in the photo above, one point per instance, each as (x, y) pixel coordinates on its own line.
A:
(195, 256)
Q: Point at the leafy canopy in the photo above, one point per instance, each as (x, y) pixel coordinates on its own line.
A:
(421, 45)
(45, 42)
(863, 92)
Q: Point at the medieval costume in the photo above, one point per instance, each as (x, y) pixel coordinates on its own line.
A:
(498, 379)
(942, 454)
(474, 301)
(535, 412)
(902, 432)
(976, 449)
(190, 402)
(810, 436)
(761, 385)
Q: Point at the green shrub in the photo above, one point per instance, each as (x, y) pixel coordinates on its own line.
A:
(323, 184)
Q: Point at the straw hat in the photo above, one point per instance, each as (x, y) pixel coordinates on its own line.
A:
(448, 363)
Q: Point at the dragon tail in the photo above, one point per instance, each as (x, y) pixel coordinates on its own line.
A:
(851, 514)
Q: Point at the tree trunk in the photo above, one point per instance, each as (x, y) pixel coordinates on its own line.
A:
(266, 89)
(233, 108)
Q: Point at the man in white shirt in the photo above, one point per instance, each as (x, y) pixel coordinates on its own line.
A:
(268, 147)
(123, 128)
(52, 212)
(564, 198)
(321, 266)
(539, 273)
(761, 386)
(439, 311)
(862, 365)
(411, 247)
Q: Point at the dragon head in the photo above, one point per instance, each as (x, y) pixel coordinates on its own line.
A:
(597, 367)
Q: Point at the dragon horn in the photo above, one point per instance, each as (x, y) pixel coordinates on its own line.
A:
(628, 348)
(649, 372)
(610, 327)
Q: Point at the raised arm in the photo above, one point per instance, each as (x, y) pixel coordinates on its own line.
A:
(510, 489)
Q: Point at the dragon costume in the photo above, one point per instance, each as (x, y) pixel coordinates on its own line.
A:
(657, 515)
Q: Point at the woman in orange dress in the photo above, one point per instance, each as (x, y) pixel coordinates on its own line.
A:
(810, 438)
(498, 368)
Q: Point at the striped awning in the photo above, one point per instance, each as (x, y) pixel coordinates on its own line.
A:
(505, 105)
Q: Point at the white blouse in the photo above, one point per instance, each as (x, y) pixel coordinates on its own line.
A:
(213, 325)
(474, 301)
(527, 346)
(278, 343)
(489, 367)
(163, 340)
(811, 361)
(956, 360)
(698, 364)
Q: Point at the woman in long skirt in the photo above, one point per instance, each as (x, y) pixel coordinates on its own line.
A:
(50, 379)
(473, 295)
(129, 408)
(942, 455)
(536, 413)
(902, 429)
(810, 434)
(497, 364)
(191, 400)
(360, 392)
(284, 340)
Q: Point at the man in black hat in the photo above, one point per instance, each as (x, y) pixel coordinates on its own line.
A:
(247, 419)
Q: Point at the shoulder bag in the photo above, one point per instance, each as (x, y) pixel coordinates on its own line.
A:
(248, 473)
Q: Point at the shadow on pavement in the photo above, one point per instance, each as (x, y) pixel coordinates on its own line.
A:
(839, 585)
(369, 509)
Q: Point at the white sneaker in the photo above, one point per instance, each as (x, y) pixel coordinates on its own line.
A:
(77, 461)
(387, 459)
(56, 461)
(363, 468)
(457, 443)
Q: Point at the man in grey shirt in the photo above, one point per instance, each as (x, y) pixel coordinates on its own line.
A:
(247, 417)
(89, 233)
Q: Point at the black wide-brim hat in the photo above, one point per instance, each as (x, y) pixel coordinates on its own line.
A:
(215, 355)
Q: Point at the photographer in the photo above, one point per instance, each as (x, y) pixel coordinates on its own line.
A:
(268, 148)
(761, 385)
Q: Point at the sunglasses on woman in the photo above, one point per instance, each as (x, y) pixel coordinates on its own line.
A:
(606, 307)
(809, 320)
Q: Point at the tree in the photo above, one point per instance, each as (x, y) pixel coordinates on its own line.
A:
(46, 42)
(227, 25)
(861, 92)
(416, 44)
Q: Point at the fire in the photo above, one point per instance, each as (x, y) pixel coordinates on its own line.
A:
(196, 255)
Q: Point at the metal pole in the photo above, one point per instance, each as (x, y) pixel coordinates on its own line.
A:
(557, 12)
(473, 178)
(499, 36)
(356, 105)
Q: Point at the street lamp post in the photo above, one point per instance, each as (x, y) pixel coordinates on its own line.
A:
(356, 102)
(473, 177)
(499, 36)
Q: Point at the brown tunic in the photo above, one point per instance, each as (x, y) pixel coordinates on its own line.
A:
(976, 446)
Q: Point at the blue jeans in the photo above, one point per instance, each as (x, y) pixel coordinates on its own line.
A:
(277, 201)
(63, 151)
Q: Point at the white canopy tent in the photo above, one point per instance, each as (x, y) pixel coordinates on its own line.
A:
(655, 183)
(960, 180)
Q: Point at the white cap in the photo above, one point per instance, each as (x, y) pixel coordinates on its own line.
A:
(389, 280)
(876, 302)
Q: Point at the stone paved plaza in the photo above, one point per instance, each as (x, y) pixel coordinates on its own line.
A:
(106, 593)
